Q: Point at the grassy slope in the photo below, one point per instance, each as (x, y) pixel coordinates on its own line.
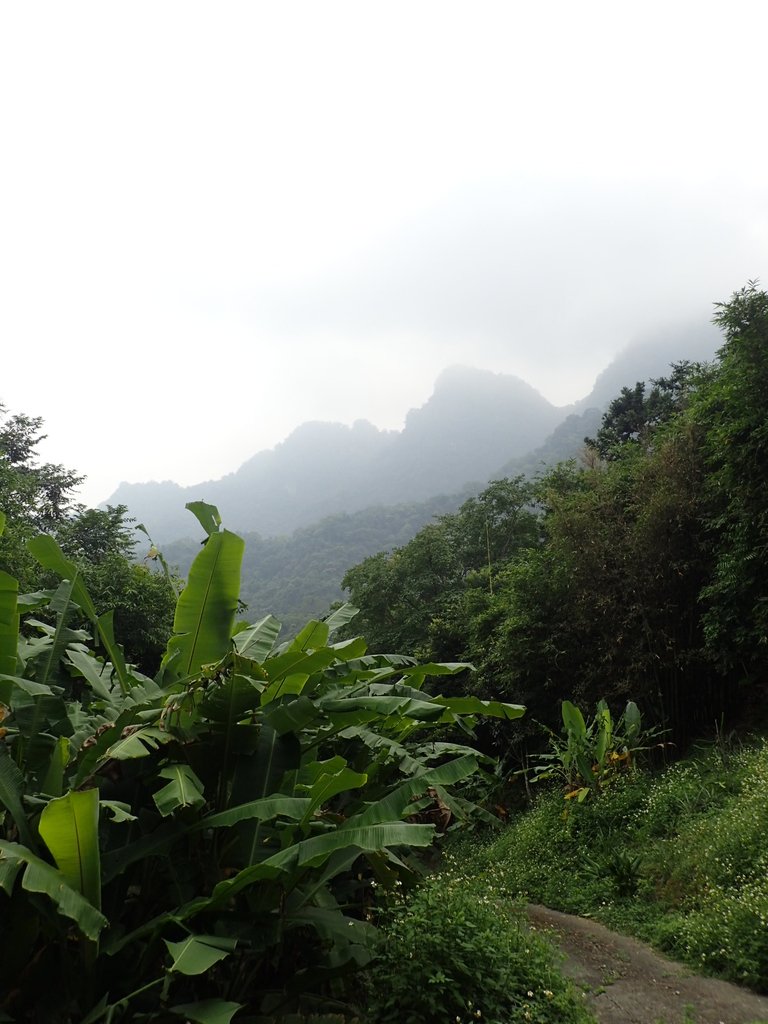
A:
(679, 858)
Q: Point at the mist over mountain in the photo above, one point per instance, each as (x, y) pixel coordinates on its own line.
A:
(476, 426)
(471, 424)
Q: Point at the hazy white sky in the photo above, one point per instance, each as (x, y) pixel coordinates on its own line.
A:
(222, 219)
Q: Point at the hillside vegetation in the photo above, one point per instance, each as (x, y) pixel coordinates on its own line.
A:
(637, 573)
(677, 857)
(213, 820)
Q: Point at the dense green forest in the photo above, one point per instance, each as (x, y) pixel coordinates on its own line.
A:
(636, 572)
(299, 576)
(203, 818)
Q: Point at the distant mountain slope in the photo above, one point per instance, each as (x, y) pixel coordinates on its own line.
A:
(463, 433)
(297, 577)
(476, 426)
(473, 422)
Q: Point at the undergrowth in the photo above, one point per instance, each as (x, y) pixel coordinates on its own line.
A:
(456, 952)
(679, 859)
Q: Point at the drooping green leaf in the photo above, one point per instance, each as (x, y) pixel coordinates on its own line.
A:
(205, 612)
(314, 851)
(394, 804)
(95, 673)
(31, 602)
(9, 685)
(9, 623)
(313, 636)
(118, 811)
(40, 877)
(207, 515)
(323, 780)
(341, 616)
(48, 553)
(257, 641)
(197, 953)
(383, 707)
(184, 789)
(53, 782)
(475, 706)
(138, 744)
(292, 807)
(291, 714)
(291, 663)
(207, 1011)
(11, 791)
(69, 827)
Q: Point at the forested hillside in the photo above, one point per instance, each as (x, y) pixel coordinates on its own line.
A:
(299, 576)
(477, 426)
(474, 421)
(638, 573)
(202, 817)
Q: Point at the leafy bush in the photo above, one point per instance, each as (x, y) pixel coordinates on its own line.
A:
(206, 839)
(455, 951)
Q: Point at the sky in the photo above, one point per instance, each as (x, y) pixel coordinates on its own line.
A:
(220, 220)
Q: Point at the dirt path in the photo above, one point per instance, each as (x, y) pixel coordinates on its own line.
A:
(629, 983)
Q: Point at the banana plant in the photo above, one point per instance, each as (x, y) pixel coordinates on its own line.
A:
(593, 752)
(213, 831)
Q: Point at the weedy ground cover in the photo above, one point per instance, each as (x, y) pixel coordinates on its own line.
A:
(678, 858)
(456, 951)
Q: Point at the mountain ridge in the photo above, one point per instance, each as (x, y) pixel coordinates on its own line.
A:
(476, 425)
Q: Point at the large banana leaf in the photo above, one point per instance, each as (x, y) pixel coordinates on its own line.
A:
(197, 953)
(294, 807)
(40, 877)
(258, 776)
(48, 663)
(323, 780)
(341, 616)
(184, 789)
(313, 636)
(50, 556)
(394, 805)
(207, 515)
(11, 791)
(207, 1011)
(94, 672)
(205, 612)
(314, 851)
(256, 642)
(475, 706)
(9, 623)
(69, 827)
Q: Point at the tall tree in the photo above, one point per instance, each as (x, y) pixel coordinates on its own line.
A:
(733, 414)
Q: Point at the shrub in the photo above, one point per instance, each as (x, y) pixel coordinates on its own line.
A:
(455, 951)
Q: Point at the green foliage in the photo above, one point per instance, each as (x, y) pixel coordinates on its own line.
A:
(207, 839)
(636, 573)
(633, 418)
(99, 542)
(299, 575)
(592, 755)
(732, 412)
(420, 597)
(457, 951)
(678, 858)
